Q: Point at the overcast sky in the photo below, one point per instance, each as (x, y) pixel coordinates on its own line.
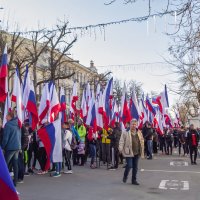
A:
(127, 43)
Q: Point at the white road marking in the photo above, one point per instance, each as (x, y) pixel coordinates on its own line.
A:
(185, 185)
(168, 171)
(178, 163)
(174, 185)
(163, 185)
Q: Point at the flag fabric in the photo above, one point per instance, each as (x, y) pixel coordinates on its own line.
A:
(7, 108)
(17, 97)
(7, 189)
(115, 114)
(125, 111)
(91, 117)
(4, 76)
(99, 116)
(54, 103)
(164, 98)
(50, 135)
(134, 107)
(105, 103)
(150, 106)
(63, 106)
(83, 110)
(29, 100)
(74, 99)
(88, 95)
(44, 104)
(157, 101)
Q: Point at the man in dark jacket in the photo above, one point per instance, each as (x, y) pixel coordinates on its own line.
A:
(149, 140)
(193, 140)
(22, 160)
(114, 136)
(11, 143)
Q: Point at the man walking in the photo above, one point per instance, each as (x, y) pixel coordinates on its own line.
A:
(131, 145)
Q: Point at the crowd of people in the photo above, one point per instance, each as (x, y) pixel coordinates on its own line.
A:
(25, 153)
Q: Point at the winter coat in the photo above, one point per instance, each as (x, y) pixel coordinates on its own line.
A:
(24, 138)
(189, 137)
(104, 137)
(115, 137)
(67, 140)
(81, 132)
(149, 134)
(125, 144)
(11, 136)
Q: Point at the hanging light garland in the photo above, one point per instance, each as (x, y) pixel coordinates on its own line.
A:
(82, 30)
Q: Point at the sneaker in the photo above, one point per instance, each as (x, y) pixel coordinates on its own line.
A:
(41, 172)
(68, 172)
(111, 168)
(56, 174)
(135, 183)
(11, 174)
(195, 163)
(92, 166)
(20, 181)
(26, 174)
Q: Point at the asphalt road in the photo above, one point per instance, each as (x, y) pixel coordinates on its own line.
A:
(163, 178)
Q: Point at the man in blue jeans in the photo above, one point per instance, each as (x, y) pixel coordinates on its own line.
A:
(11, 143)
(131, 145)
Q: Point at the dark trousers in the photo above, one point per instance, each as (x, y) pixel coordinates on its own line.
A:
(42, 158)
(175, 142)
(162, 146)
(11, 158)
(169, 148)
(21, 168)
(92, 153)
(155, 147)
(132, 162)
(106, 152)
(75, 156)
(67, 156)
(180, 145)
(81, 159)
(115, 157)
(32, 152)
(193, 149)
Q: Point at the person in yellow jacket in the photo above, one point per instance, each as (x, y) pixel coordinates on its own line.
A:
(105, 146)
(81, 147)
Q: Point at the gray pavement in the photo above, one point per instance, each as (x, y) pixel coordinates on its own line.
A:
(158, 180)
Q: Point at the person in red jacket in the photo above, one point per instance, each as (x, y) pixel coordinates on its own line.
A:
(193, 140)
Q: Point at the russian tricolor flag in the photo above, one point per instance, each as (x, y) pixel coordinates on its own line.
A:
(150, 106)
(4, 76)
(29, 100)
(50, 135)
(7, 189)
(91, 117)
(134, 107)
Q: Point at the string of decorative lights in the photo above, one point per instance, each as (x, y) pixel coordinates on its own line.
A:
(154, 66)
(89, 28)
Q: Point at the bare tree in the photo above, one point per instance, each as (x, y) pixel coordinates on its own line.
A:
(57, 50)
